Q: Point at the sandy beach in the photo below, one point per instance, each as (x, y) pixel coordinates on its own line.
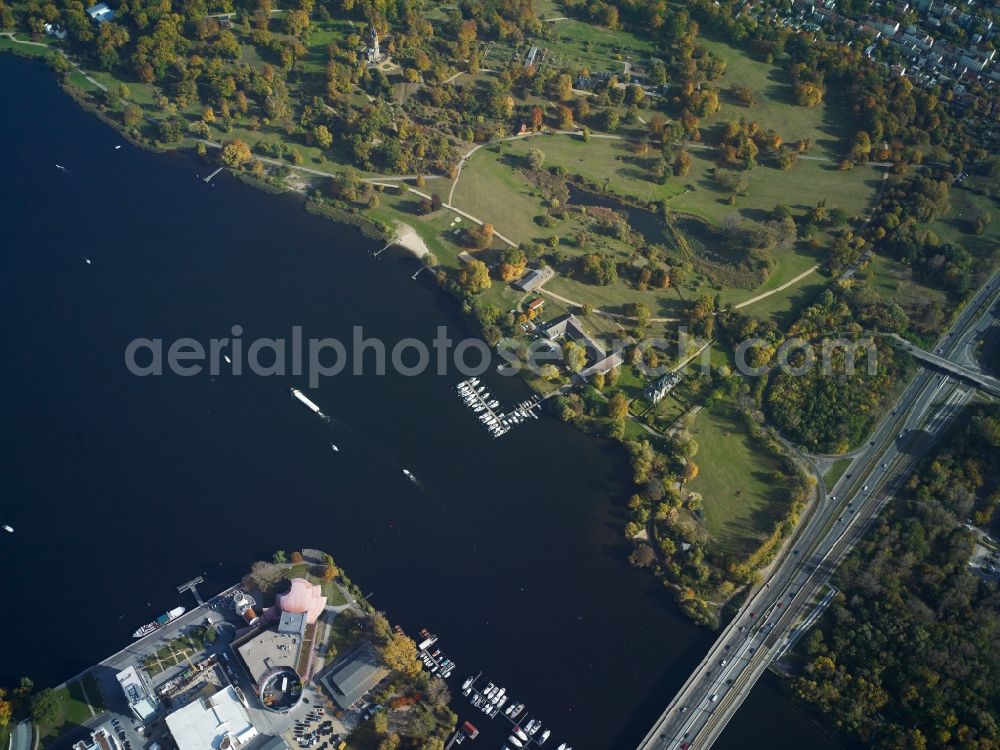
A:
(406, 236)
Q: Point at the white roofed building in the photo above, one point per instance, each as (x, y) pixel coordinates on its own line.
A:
(218, 722)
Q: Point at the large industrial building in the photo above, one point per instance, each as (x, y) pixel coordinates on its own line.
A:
(213, 722)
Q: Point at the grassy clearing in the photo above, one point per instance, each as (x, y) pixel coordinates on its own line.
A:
(824, 125)
(73, 712)
(835, 472)
(801, 188)
(742, 501)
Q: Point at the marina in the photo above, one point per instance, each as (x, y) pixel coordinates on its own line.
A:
(494, 701)
(477, 398)
(433, 660)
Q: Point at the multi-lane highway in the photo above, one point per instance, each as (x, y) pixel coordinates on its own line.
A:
(746, 647)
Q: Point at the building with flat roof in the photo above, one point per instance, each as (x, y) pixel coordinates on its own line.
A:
(350, 678)
(100, 739)
(140, 698)
(217, 722)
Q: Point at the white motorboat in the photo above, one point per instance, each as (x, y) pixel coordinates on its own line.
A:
(334, 448)
(545, 736)
(8, 529)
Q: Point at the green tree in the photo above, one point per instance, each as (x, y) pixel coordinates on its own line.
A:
(46, 707)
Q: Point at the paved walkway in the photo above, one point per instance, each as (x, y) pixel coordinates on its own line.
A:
(10, 35)
(21, 736)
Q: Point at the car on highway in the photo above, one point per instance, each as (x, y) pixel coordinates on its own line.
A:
(722, 662)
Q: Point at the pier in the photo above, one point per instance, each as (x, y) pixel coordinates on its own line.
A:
(477, 398)
(393, 242)
(192, 586)
(209, 178)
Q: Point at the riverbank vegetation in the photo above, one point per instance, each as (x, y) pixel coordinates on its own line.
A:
(906, 655)
(678, 166)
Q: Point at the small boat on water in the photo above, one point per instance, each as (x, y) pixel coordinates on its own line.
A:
(334, 448)
(228, 360)
(8, 529)
(520, 733)
(408, 474)
(545, 736)
(515, 741)
(468, 682)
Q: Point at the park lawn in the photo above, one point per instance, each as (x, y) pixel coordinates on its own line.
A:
(742, 502)
(662, 303)
(494, 190)
(925, 306)
(439, 230)
(801, 188)
(951, 228)
(73, 712)
(604, 161)
(826, 125)
(786, 306)
(28, 50)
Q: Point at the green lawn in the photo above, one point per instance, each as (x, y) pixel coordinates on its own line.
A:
(73, 712)
(826, 126)
(742, 501)
(801, 188)
(835, 472)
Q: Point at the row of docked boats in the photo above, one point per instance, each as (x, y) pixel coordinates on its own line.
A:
(493, 699)
(432, 658)
(477, 398)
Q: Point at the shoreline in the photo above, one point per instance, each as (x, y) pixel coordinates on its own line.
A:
(408, 239)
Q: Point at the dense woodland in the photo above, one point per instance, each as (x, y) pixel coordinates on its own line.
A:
(908, 656)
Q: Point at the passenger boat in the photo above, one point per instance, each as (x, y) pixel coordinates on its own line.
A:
(159, 622)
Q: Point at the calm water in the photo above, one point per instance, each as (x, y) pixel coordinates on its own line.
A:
(121, 488)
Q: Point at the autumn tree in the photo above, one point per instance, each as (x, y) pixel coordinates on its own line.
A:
(682, 163)
(618, 406)
(474, 277)
(236, 153)
(400, 653)
(574, 355)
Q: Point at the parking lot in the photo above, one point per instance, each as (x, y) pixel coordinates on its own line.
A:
(985, 563)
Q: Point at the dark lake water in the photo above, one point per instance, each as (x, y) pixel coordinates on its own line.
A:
(120, 487)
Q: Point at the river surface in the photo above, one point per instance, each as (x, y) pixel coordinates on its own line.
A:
(122, 487)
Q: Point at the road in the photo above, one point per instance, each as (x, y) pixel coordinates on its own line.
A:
(746, 647)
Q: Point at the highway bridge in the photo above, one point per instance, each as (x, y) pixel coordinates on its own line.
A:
(979, 379)
(781, 606)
